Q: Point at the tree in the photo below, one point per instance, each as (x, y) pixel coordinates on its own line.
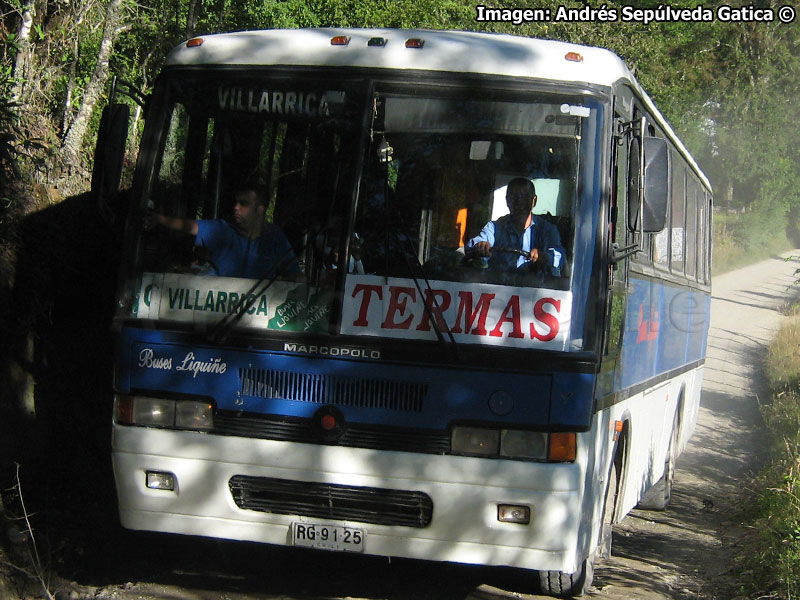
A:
(723, 86)
(74, 137)
(23, 42)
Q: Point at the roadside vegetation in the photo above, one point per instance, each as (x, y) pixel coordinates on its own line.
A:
(772, 549)
(743, 238)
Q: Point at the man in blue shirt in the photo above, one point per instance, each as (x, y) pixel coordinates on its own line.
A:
(520, 230)
(246, 246)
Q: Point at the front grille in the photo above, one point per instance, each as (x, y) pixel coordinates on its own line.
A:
(330, 501)
(333, 389)
(401, 439)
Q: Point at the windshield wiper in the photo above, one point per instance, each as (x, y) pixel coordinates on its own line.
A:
(433, 318)
(221, 329)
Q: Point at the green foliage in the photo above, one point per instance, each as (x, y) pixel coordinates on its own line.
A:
(9, 134)
(726, 88)
(783, 374)
(16, 144)
(773, 553)
(744, 238)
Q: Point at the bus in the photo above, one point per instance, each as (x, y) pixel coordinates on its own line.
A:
(378, 388)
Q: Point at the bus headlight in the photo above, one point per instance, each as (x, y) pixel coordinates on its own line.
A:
(515, 443)
(474, 440)
(160, 412)
(194, 415)
(153, 412)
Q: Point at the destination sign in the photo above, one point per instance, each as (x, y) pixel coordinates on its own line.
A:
(286, 102)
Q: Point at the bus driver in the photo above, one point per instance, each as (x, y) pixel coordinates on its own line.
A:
(520, 230)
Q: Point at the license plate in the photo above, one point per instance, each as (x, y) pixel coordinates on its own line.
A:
(328, 537)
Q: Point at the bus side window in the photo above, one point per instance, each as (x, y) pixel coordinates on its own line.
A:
(692, 200)
(678, 217)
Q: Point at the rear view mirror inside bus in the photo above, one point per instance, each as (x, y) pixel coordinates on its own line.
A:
(483, 150)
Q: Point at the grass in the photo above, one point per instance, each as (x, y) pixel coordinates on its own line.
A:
(773, 551)
(744, 238)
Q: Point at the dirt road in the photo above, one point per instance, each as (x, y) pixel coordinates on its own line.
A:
(683, 553)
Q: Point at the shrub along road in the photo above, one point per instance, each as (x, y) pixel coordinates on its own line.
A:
(684, 553)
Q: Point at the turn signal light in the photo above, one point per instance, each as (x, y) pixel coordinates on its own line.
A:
(194, 42)
(562, 448)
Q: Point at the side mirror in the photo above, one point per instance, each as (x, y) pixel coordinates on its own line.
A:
(656, 184)
(650, 176)
(109, 155)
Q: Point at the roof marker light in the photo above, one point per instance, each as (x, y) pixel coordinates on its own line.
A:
(415, 43)
(377, 41)
(574, 56)
(194, 42)
(340, 40)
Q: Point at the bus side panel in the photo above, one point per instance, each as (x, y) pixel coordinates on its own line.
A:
(666, 329)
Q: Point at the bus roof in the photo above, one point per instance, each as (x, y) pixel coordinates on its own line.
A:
(450, 51)
(444, 51)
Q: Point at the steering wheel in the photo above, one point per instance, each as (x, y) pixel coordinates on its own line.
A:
(512, 251)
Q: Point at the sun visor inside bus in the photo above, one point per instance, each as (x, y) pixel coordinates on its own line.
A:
(459, 115)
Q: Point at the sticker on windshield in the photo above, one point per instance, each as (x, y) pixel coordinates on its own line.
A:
(575, 111)
(284, 305)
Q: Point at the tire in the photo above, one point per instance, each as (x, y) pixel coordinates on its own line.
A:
(560, 584)
(658, 496)
(568, 585)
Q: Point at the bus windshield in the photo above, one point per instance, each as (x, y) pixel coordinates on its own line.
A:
(378, 195)
(438, 173)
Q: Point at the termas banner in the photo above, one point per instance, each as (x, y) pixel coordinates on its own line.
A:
(472, 313)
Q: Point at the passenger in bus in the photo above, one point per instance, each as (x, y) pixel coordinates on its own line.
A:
(327, 246)
(519, 241)
(243, 246)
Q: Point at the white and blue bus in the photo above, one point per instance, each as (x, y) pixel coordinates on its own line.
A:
(377, 390)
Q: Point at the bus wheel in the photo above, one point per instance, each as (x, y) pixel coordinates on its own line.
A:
(658, 496)
(567, 585)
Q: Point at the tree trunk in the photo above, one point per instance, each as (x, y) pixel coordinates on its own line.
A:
(191, 19)
(22, 62)
(73, 140)
(66, 120)
(221, 15)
